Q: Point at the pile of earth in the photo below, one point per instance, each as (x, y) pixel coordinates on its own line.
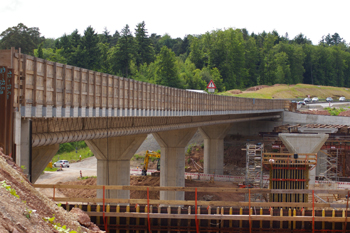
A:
(316, 112)
(345, 113)
(155, 181)
(24, 209)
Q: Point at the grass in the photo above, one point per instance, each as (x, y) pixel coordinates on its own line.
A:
(298, 91)
(53, 169)
(72, 156)
(334, 111)
(86, 177)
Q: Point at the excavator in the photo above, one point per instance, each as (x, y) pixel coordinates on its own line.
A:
(147, 155)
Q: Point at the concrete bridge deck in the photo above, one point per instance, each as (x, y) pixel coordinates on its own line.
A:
(54, 103)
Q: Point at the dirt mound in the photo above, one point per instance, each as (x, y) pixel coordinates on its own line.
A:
(82, 193)
(23, 208)
(155, 181)
(256, 88)
(316, 112)
(346, 113)
(235, 91)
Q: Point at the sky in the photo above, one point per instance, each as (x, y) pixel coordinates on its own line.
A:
(181, 17)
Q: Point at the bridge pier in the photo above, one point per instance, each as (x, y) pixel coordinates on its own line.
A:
(214, 147)
(113, 162)
(41, 156)
(172, 162)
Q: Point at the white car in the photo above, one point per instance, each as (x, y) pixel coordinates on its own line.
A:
(315, 99)
(342, 99)
(64, 163)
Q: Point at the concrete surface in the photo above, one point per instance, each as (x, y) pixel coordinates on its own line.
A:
(172, 160)
(214, 147)
(113, 162)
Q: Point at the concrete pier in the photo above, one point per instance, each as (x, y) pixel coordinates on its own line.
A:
(172, 162)
(113, 162)
(304, 143)
(214, 147)
(41, 156)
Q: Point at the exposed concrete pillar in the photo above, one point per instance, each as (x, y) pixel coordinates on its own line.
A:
(214, 147)
(22, 140)
(41, 156)
(304, 143)
(172, 162)
(113, 162)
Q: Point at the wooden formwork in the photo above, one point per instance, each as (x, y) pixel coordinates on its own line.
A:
(123, 215)
(45, 83)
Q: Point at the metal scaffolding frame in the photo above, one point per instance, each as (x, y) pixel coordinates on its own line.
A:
(329, 165)
(254, 168)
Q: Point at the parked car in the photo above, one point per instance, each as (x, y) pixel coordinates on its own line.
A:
(315, 99)
(307, 100)
(64, 163)
(301, 102)
(329, 99)
(342, 99)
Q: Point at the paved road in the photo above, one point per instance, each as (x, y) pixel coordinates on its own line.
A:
(88, 167)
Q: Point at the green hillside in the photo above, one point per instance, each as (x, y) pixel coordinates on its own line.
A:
(284, 91)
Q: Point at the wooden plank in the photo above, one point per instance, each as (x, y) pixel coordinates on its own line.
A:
(35, 77)
(45, 83)
(64, 86)
(94, 84)
(24, 76)
(192, 189)
(80, 87)
(220, 217)
(54, 85)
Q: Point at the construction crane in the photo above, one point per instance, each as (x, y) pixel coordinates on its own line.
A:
(147, 155)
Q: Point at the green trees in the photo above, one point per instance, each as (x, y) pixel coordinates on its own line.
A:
(166, 70)
(144, 49)
(123, 53)
(21, 36)
(90, 54)
(232, 58)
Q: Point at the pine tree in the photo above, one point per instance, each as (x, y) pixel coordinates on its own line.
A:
(40, 51)
(144, 49)
(89, 44)
(166, 69)
(123, 53)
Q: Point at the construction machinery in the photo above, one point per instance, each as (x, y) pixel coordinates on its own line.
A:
(147, 155)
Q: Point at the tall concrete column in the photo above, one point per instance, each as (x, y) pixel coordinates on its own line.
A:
(113, 162)
(172, 162)
(41, 156)
(214, 147)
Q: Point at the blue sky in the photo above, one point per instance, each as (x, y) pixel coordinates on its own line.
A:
(181, 17)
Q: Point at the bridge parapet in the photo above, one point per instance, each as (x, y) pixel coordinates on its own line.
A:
(50, 89)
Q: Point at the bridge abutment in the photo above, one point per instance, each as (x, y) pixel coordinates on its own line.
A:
(172, 162)
(113, 162)
(214, 147)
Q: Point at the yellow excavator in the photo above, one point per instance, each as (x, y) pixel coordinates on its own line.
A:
(147, 155)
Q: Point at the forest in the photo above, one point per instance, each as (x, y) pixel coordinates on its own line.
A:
(232, 58)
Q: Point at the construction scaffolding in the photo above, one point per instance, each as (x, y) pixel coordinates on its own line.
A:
(329, 165)
(254, 168)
